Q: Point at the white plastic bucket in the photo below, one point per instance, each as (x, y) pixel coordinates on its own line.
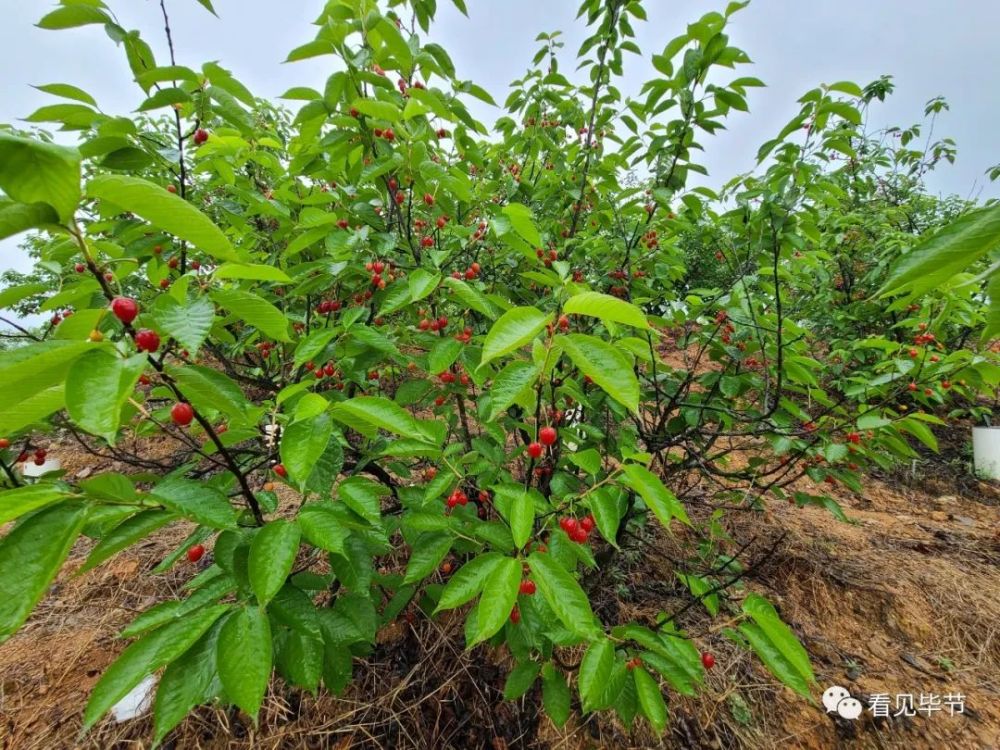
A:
(30, 469)
(986, 452)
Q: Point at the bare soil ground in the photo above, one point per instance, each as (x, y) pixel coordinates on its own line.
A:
(904, 599)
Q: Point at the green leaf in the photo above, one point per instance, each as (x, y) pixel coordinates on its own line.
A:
(564, 596)
(272, 555)
(17, 217)
(16, 502)
(500, 594)
(520, 679)
(188, 323)
(302, 444)
(364, 497)
(253, 271)
(36, 172)
(606, 308)
(658, 498)
(509, 383)
(163, 210)
(521, 219)
(70, 16)
(595, 671)
(426, 554)
(380, 413)
(604, 505)
(254, 311)
(97, 387)
(30, 556)
(245, 658)
(145, 656)
(555, 694)
(186, 683)
(521, 516)
(322, 527)
(605, 365)
(127, 533)
(992, 328)
(468, 581)
(443, 355)
(945, 253)
(378, 109)
(515, 328)
(196, 500)
(777, 645)
(650, 699)
(470, 297)
(209, 389)
(422, 283)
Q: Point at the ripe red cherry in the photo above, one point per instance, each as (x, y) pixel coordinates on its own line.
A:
(125, 309)
(164, 283)
(548, 435)
(147, 340)
(428, 199)
(535, 450)
(79, 268)
(182, 414)
(393, 184)
(587, 523)
(400, 197)
(578, 535)
(853, 437)
(194, 554)
(4, 444)
(171, 189)
(427, 241)
(441, 221)
(200, 136)
(515, 615)
(707, 660)
(173, 263)
(280, 470)
(912, 386)
(528, 587)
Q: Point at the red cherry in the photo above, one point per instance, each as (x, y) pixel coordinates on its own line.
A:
(578, 535)
(515, 615)
(125, 309)
(569, 525)
(164, 283)
(587, 523)
(912, 386)
(548, 435)
(147, 340)
(428, 199)
(200, 136)
(79, 268)
(4, 444)
(400, 197)
(707, 660)
(427, 241)
(182, 414)
(173, 263)
(171, 189)
(393, 184)
(535, 450)
(441, 221)
(528, 587)
(280, 470)
(442, 322)
(194, 554)
(41, 453)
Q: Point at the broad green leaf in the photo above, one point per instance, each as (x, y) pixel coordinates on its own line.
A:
(520, 679)
(196, 500)
(127, 533)
(650, 699)
(521, 516)
(564, 595)
(253, 271)
(322, 527)
(469, 296)
(500, 594)
(163, 210)
(426, 554)
(521, 220)
(658, 498)
(379, 413)
(146, 655)
(773, 659)
(97, 387)
(272, 555)
(30, 556)
(364, 497)
(422, 283)
(186, 683)
(945, 253)
(603, 503)
(606, 308)
(254, 311)
(992, 328)
(188, 323)
(14, 294)
(378, 109)
(443, 355)
(509, 383)
(67, 91)
(17, 217)
(302, 444)
(779, 634)
(605, 365)
(36, 172)
(514, 329)
(209, 389)
(71, 15)
(595, 671)
(555, 694)
(245, 658)
(467, 582)
(16, 502)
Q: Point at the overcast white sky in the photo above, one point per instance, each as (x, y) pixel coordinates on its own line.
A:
(931, 47)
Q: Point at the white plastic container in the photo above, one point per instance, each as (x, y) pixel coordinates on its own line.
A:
(29, 469)
(986, 452)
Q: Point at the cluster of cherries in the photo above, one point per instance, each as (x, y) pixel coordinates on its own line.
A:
(546, 436)
(376, 268)
(547, 257)
(431, 324)
(23, 456)
(577, 529)
(327, 370)
(472, 272)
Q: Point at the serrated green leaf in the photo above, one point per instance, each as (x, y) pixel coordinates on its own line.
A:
(650, 699)
(514, 329)
(605, 365)
(555, 694)
(254, 311)
(564, 595)
(97, 387)
(500, 594)
(468, 581)
(606, 308)
(661, 501)
(272, 555)
(245, 658)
